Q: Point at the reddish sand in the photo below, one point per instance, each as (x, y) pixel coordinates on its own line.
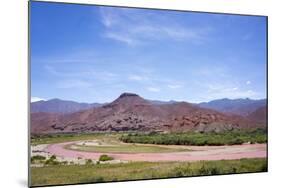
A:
(198, 153)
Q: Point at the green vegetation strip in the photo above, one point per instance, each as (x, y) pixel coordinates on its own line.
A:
(58, 138)
(125, 148)
(72, 174)
(198, 139)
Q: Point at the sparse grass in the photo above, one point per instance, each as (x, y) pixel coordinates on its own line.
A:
(126, 148)
(71, 174)
(58, 138)
(54, 172)
(198, 139)
(38, 159)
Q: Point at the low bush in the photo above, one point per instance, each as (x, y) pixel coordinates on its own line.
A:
(105, 158)
(52, 161)
(64, 162)
(37, 158)
(89, 162)
(53, 157)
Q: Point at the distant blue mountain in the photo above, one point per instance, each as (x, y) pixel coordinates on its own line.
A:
(61, 106)
(157, 102)
(242, 107)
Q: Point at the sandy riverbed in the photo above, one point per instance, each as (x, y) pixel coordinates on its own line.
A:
(197, 153)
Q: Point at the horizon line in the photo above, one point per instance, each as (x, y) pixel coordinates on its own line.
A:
(196, 102)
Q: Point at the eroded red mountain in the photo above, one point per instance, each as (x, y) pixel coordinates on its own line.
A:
(131, 112)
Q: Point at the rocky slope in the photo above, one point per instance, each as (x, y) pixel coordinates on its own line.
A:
(259, 115)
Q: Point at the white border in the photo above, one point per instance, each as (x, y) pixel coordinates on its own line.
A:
(13, 99)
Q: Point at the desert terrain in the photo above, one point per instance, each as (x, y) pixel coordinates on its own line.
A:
(135, 134)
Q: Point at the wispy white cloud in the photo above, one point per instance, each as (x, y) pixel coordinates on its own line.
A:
(35, 99)
(72, 84)
(153, 89)
(53, 71)
(121, 38)
(137, 77)
(175, 86)
(82, 74)
(104, 75)
(213, 71)
(217, 91)
(132, 28)
(221, 82)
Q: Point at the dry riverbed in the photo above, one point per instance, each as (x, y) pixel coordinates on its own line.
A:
(188, 153)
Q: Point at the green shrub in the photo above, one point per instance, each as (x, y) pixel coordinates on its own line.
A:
(52, 161)
(37, 158)
(53, 157)
(105, 158)
(89, 162)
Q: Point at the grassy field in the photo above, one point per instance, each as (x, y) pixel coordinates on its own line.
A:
(51, 139)
(198, 139)
(54, 172)
(72, 174)
(126, 148)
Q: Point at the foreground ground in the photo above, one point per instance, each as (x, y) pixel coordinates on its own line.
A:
(72, 174)
(92, 146)
(70, 159)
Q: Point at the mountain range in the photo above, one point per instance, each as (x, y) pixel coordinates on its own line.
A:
(130, 112)
(61, 106)
(242, 107)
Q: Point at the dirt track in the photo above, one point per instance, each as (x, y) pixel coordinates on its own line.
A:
(198, 153)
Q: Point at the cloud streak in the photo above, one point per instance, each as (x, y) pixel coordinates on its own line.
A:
(174, 86)
(137, 77)
(134, 27)
(73, 84)
(153, 89)
(217, 91)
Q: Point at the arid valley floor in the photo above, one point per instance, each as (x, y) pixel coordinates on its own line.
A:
(133, 138)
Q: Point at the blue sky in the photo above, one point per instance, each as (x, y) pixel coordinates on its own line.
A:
(93, 54)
